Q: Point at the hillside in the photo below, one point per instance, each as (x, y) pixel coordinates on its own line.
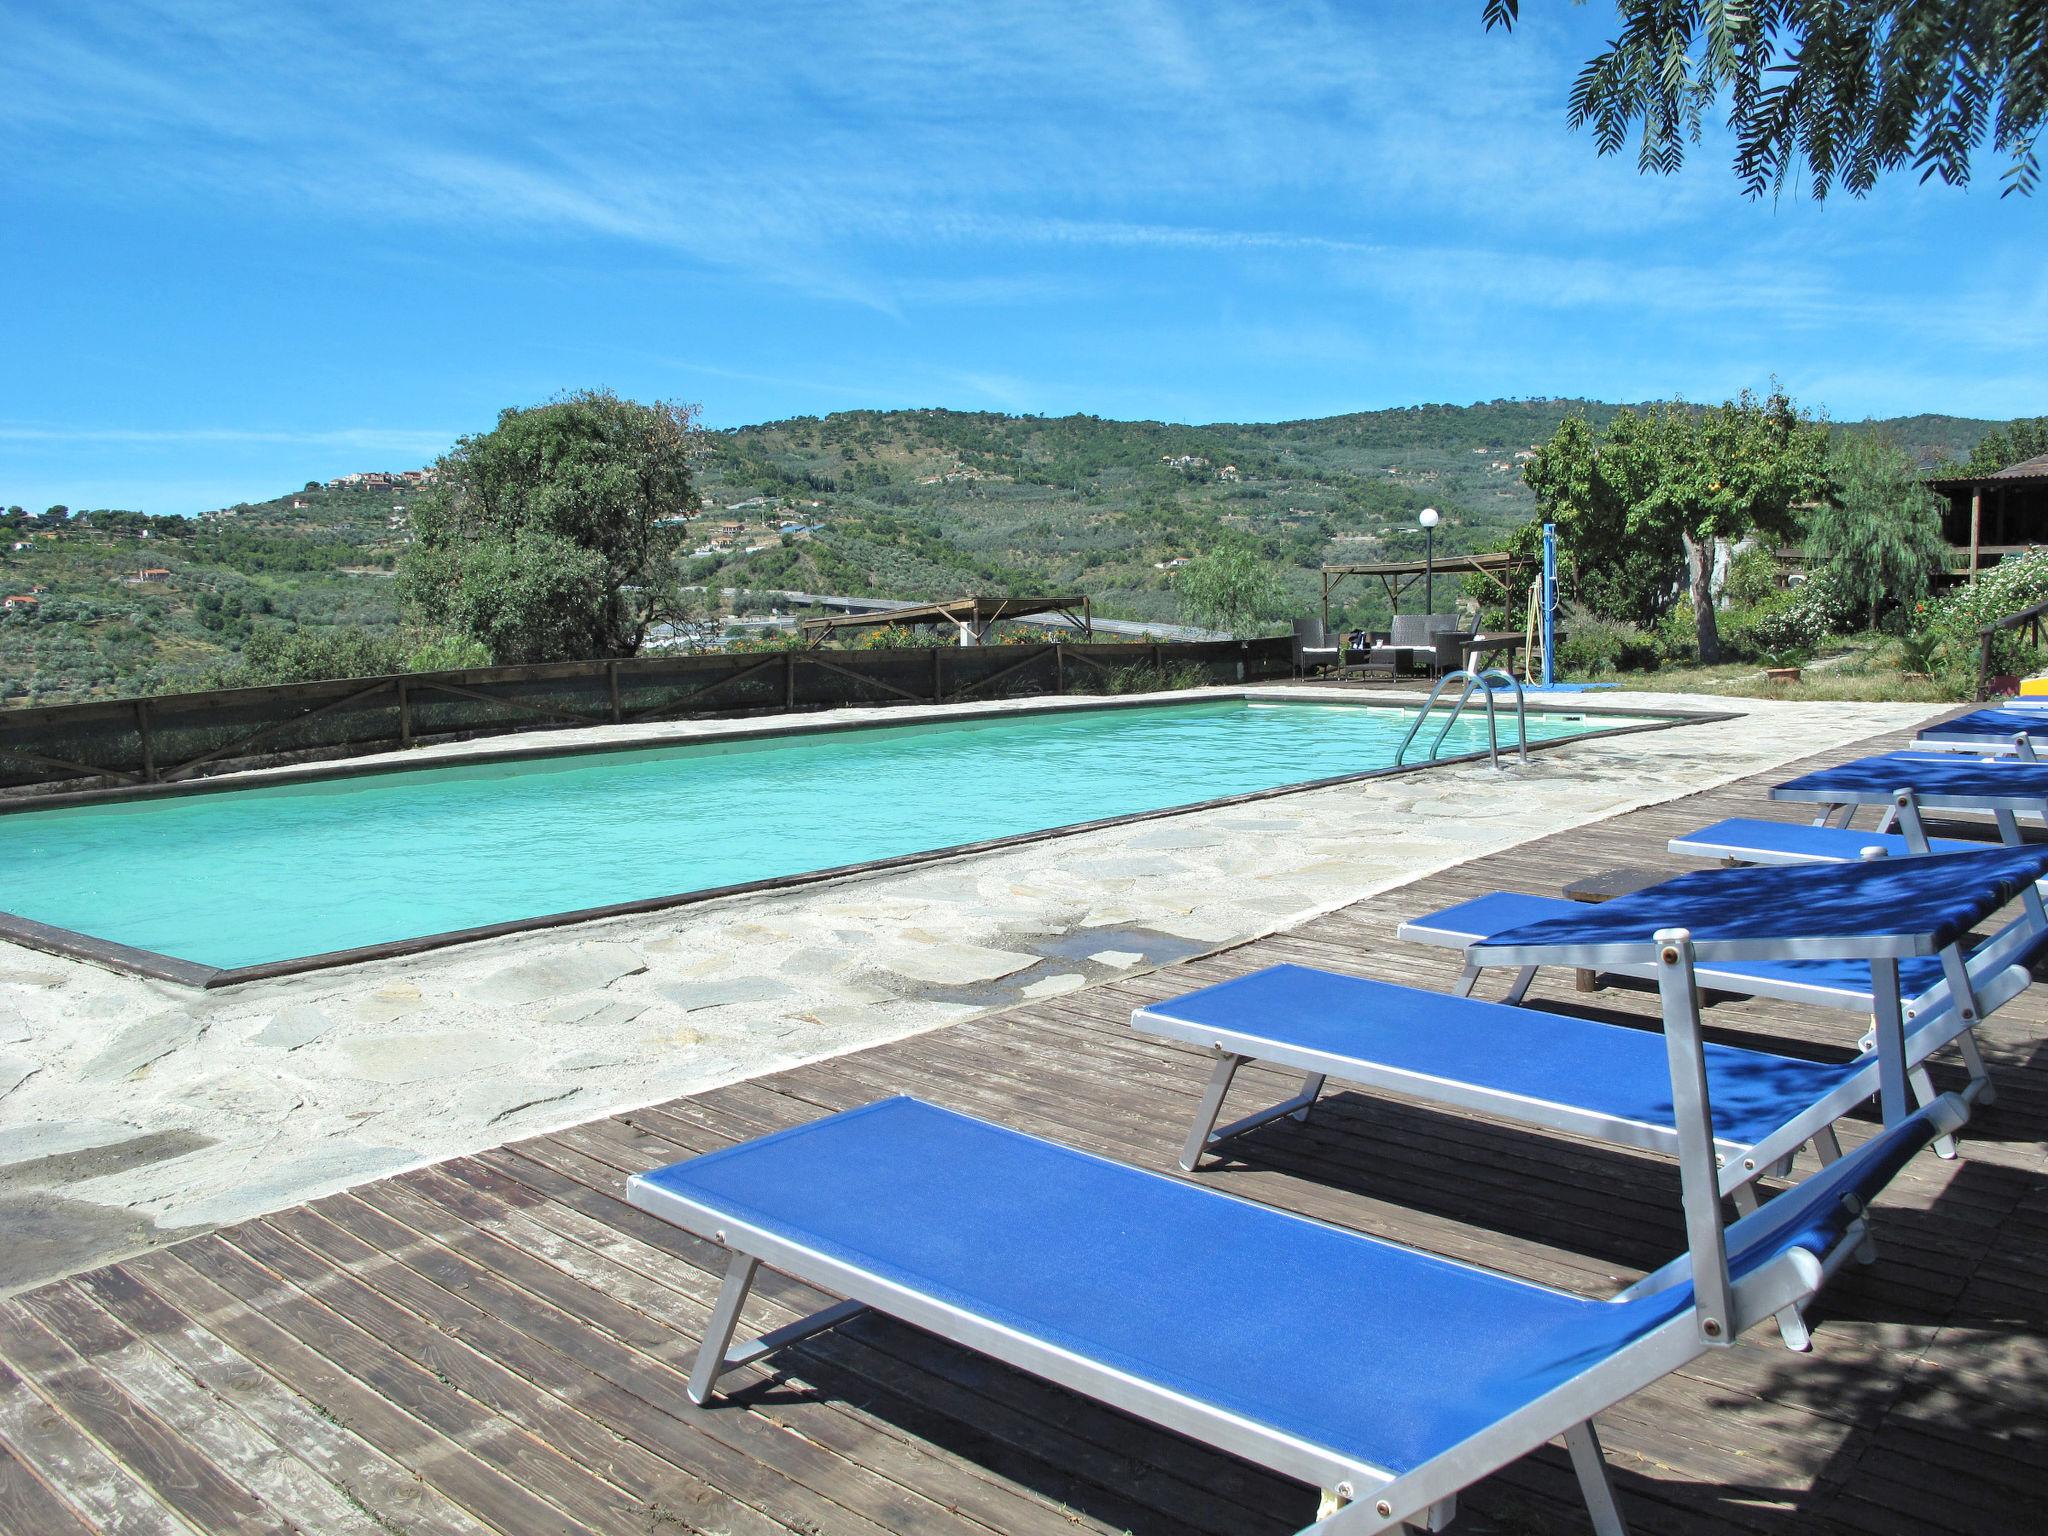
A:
(931, 503)
(912, 504)
(98, 626)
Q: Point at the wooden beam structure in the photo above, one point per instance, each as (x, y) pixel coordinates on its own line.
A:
(1396, 576)
(972, 616)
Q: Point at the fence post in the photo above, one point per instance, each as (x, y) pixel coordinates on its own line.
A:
(404, 714)
(612, 682)
(1158, 664)
(1059, 667)
(789, 679)
(938, 683)
(148, 741)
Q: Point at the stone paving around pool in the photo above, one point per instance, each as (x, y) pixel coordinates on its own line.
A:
(132, 1112)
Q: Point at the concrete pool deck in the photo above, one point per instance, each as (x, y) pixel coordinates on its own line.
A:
(134, 1111)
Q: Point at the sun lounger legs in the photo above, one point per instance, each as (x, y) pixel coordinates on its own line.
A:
(1203, 1134)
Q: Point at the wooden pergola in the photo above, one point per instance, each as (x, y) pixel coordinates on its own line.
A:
(1998, 514)
(971, 616)
(1398, 575)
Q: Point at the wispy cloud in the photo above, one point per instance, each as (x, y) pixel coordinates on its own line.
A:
(1147, 206)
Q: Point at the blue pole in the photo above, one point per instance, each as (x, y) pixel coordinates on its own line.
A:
(1549, 604)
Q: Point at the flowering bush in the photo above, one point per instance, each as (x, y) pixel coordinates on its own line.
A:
(1952, 621)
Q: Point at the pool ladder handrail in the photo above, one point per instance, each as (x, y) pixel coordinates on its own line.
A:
(1482, 680)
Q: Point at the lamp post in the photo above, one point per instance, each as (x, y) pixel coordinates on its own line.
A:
(1429, 520)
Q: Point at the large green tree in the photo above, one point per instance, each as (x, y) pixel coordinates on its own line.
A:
(1666, 484)
(1877, 532)
(2002, 447)
(557, 534)
(1848, 90)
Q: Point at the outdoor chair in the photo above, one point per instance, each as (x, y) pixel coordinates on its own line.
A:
(1389, 1377)
(1313, 651)
(1412, 642)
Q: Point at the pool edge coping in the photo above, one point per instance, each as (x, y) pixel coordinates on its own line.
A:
(153, 965)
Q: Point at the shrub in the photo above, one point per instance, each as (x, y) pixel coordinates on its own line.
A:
(1952, 621)
(1752, 578)
(1786, 629)
(1590, 647)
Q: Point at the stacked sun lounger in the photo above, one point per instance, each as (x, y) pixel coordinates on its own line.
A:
(1391, 1378)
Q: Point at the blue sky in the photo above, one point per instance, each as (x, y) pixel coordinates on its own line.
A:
(250, 244)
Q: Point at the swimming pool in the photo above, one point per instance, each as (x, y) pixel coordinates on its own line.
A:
(231, 878)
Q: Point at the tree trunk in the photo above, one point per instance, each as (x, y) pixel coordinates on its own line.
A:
(1699, 570)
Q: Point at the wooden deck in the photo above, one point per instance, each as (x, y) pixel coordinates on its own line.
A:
(498, 1343)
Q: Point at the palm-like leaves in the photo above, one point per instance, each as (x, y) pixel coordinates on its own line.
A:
(1849, 89)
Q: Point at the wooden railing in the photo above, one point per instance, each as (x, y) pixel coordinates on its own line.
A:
(169, 737)
(2026, 618)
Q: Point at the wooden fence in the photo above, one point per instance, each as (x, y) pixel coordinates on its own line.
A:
(168, 737)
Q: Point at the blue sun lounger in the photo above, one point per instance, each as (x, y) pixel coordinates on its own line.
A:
(1992, 731)
(1750, 840)
(1913, 987)
(2003, 789)
(1557, 1072)
(1390, 1378)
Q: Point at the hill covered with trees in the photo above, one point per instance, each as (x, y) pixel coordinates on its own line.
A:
(911, 504)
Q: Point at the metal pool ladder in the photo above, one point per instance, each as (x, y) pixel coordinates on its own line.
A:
(1483, 681)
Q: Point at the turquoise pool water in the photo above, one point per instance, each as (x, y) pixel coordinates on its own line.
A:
(244, 877)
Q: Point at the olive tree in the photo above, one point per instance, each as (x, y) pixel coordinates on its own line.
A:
(1230, 587)
(557, 534)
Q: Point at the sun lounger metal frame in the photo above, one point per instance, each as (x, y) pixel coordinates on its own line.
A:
(1779, 1271)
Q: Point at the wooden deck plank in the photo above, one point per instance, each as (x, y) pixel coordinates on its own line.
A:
(27, 1503)
(498, 1343)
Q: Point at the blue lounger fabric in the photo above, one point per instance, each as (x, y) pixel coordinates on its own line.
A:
(1797, 840)
(1370, 1350)
(1937, 774)
(1998, 724)
(1504, 912)
(1918, 906)
(1555, 1058)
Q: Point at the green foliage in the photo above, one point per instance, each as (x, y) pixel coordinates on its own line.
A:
(557, 534)
(1753, 578)
(2010, 587)
(1230, 587)
(1650, 496)
(2002, 447)
(1850, 89)
(276, 653)
(1591, 647)
(1876, 536)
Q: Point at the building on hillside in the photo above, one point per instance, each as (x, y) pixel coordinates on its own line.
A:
(1995, 515)
(20, 602)
(153, 573)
